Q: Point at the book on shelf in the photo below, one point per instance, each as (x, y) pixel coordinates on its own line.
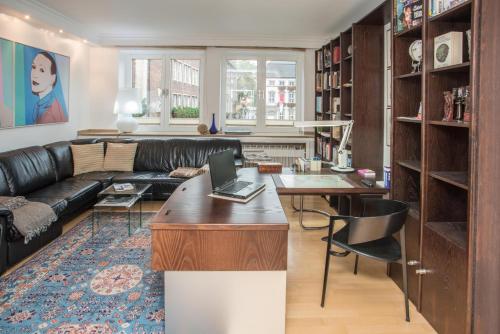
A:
(319, 60)
(326, 80)
(336, 55)
(319, 99)
(336, 105)
(319, 83)
(437, 7)
(448, 49)
(407, 14)
(336, 79)
(328, 57)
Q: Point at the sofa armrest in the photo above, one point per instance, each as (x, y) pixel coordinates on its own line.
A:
(6, 218)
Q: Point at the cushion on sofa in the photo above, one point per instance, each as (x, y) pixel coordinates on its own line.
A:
(162, 184)
(60, 153)
(87, 158)
(120, 157)
(78, 193)
(27, 169)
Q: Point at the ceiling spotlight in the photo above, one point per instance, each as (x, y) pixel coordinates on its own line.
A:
(27, 17)
(61, 31)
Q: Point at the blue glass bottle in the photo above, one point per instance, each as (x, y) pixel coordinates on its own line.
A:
(213, 128)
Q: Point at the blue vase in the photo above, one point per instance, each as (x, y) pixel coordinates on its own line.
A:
(213, 128)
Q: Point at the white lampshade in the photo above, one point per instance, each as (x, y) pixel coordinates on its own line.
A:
(127, 101)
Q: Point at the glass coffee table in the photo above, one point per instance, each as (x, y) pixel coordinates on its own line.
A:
(123, 199)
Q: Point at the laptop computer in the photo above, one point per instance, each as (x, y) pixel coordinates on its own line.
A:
(224, 179)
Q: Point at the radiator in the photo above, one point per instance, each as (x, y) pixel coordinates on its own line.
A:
(284, 153)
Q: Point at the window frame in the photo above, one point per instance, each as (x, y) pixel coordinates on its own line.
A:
(262, 58)
(167, 55)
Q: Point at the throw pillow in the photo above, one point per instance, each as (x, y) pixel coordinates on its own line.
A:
(120, 157)
(188, 172)
(87, 158)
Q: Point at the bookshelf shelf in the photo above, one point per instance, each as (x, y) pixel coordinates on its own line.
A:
(414, 31)
(454, 232)
(414, 165)
(464, 67)
(451, 124)
(417, 75)
(457, 179)
(458, 13)
(404, 119)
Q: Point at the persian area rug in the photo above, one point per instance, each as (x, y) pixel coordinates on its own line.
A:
(82, 285)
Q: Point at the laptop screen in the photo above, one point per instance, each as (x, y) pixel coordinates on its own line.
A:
(222, 168)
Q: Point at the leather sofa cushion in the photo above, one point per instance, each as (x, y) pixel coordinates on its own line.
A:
(166, 155)
(162, 184)
(76, 192)
(27, 169)
(4, 186)
(105, 178)
(62, 157)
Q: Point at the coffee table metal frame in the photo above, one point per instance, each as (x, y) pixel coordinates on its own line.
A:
(137, 194)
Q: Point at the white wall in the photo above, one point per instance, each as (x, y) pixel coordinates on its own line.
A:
(19, 31)
(104, 76)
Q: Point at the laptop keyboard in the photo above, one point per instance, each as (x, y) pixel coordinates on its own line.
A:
(237, 186)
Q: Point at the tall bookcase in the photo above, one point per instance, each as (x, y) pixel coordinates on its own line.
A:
(359, 93)
(431, 170)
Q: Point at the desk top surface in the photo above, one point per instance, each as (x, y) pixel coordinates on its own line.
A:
(325, 182)
(190, 207)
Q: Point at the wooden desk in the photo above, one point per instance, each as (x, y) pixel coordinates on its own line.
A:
(224, 262)
(350, 185)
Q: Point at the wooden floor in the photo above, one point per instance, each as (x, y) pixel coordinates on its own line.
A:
(368, 303)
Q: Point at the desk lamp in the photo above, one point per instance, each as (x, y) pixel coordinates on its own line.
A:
(342, 152)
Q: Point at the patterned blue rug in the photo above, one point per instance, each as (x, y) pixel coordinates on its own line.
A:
(82, 285)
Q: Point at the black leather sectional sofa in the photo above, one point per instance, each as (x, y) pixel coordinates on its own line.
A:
(45, 174)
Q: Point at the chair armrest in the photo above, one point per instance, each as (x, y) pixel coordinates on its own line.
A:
(6, 220)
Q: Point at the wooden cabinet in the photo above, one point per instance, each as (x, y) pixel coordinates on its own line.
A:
(444, 288)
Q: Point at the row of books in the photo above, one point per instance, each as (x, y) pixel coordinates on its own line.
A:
(439, 6)
(324, 58)
(324, 149)
(319, 60)
(327, 80)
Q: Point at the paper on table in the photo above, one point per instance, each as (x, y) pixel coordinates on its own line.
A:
(314, 181)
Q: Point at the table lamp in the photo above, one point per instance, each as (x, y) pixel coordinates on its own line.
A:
(342, 165)
(127, 104)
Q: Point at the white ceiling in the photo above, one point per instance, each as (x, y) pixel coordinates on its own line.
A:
(298, 23)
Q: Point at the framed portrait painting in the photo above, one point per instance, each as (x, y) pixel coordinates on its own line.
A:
(41, 86)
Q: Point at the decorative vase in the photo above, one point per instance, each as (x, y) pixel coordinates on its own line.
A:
(213, 128)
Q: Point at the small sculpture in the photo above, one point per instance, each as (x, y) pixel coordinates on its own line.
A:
(203, 129)
(449, 102)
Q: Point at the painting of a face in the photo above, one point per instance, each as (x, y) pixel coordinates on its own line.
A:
(42, 79)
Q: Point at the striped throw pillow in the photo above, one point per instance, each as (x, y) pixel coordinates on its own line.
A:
(87, 158)
(120, 157)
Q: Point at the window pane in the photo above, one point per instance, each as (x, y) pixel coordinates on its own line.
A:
(281, 92)
(185, 91)
(241, 92)
(146, 76)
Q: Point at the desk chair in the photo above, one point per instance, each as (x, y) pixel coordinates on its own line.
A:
(371, 235)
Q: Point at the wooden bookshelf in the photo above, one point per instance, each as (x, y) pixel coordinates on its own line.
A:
(431, 170)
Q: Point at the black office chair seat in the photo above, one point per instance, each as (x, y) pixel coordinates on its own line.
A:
(371, 235)
(387, 249)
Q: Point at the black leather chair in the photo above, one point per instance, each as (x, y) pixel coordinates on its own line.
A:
(371, 235)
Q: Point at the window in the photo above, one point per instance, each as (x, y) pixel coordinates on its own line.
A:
(261, 90)
(169, 86)
(271, 97)
(147, 77)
